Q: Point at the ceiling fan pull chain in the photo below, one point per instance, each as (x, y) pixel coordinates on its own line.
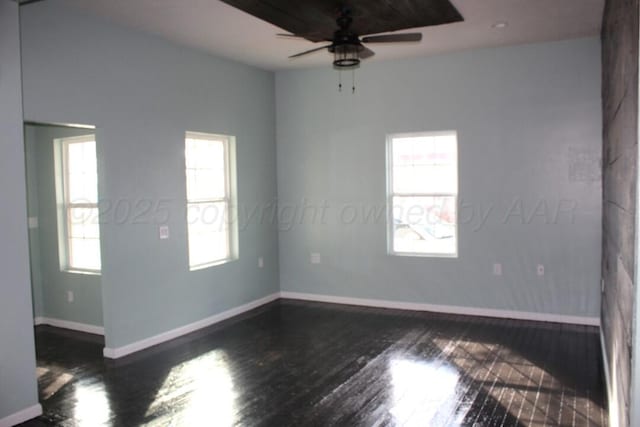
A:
(339, 80)
(353, 81)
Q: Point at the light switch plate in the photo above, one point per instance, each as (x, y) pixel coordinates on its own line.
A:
(33, 222)
(497, 269)
(260, 262)
(164, 232)
(315, 258)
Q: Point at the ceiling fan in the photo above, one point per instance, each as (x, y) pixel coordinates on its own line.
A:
(347, 47)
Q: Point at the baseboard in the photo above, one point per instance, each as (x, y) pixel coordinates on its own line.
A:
(115, 353)
(605, 362)
(21, 416)
(118, 352)
(447, 309)
(612, 412)
(66, 324)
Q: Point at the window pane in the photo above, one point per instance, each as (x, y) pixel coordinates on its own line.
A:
(424, 225)
(425, 164)
(208, 232)
(84, 238)
(82, 177)
(206, 177)
(82, 188)
(84, 254)
(83, 223)
(205, 184)
(75, 156)
(204, 154)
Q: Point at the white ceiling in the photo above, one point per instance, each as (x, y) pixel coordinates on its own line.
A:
(215, 27)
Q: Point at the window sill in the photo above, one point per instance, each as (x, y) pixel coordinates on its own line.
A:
(212, 264)
(422, 255)
(85, 272)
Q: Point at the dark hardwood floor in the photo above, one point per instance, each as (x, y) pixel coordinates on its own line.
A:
(306, 364)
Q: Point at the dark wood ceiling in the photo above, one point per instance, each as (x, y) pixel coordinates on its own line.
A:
(315, 20)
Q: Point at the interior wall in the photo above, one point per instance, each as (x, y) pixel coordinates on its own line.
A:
(142, 94)
(620, 157)
(18, 389)
(31, 159)
(529, 124)
(49, 283)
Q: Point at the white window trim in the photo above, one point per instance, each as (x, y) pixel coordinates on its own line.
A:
(65, 205)
(230, 199)
(391, 195)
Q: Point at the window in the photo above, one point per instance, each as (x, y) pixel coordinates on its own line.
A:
(212, 228)
(422, 189)
(77, 195)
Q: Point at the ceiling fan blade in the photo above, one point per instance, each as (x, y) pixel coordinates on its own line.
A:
(310, 51)
(393, 38)
(366, 53)
(294, 36)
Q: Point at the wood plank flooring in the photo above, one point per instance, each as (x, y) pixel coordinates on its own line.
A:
(308, 364)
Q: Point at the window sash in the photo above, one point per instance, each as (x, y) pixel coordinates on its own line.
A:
(74, 260)
(222, 228)
(431, 231)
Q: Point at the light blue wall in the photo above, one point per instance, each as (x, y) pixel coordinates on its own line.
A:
(18, 389)
(143, 93)
(54, 284)
(31, 161)
(529, 125)
(529, 128)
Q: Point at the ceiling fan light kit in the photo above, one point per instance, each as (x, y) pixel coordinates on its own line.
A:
(346, 56)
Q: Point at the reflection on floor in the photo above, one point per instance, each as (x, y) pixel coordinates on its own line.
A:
(307, 364)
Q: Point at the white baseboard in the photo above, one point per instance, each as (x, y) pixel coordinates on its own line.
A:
(66, 324)
(605, 362)
(115, 353)
(118, 352)
(447, 309)
(21, 416)
(613, 419)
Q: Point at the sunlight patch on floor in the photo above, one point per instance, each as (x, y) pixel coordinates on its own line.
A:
(198, 389)
(92, 406)
(518, 385)
(424, 393)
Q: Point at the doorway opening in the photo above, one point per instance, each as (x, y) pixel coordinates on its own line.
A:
(64, 244)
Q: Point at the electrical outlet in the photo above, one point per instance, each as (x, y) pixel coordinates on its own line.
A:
(315, 258)
(70, 296)
(164, 232)
(540, 270)
(497, 269)
(260, 262)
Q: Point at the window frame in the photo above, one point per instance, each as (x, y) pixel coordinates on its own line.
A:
(391, 194)
(65, 205)
(229, 199)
